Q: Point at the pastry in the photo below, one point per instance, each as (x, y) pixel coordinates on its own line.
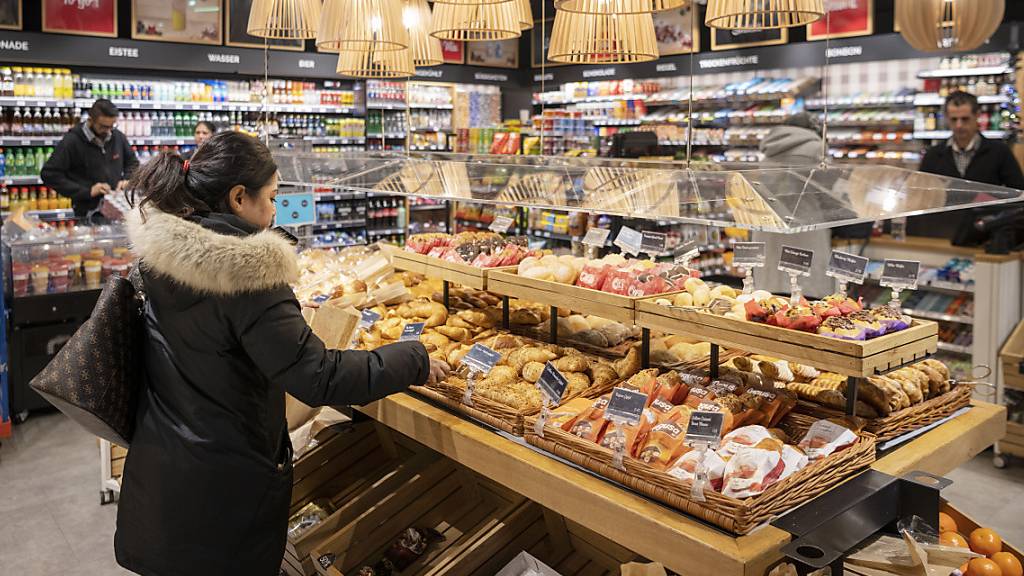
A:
(803, 372)
(867, 322)
(778, 371)
(629, 365)
(892, 319)
(532, 371)
(842, 328)
(937, 366)
(571, 363)
(601, 374)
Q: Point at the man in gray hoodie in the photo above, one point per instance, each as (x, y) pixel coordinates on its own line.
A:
(796, 143)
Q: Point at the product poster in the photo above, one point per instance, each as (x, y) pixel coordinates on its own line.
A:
(188, 21)
(453, 52)
(85, 17)
(731, 39)
(677, 31)
(10, 14)
(237, 22)
(499, 54)
(846, 18)
(540, 41)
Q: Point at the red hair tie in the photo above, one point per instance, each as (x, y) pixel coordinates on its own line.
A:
(184, 167)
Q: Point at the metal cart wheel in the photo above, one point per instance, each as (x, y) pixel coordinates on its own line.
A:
(999, 461)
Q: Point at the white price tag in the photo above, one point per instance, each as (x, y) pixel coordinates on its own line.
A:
(501, 224)
(629, 240)
(596, 237)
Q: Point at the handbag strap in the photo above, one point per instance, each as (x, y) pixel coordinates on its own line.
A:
(135, 277)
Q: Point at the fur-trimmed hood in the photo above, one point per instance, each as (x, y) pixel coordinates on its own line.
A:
(209, 262)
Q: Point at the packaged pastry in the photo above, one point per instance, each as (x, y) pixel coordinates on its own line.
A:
(592, 276)
(591, 423)
(645, 381)
(671, 388)
(892, 319)
(823, 309)
(752, 469)
(685, 468)
(564, 415)
(760, 310)
(800, 318)
(844, 304)
(793, 460)
(868, 322)
(725, 387)
(698, 394)
(842, 328)
(663, 445)
(742, 437)
(826, 437)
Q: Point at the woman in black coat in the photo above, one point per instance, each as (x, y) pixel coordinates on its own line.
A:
(207, 482)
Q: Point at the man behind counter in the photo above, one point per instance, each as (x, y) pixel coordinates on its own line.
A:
(970, 156)
(92, 160)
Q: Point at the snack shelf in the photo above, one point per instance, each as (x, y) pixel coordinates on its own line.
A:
(683, 544)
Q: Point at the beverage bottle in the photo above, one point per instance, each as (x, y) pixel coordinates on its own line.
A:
(6, 81)
(37, 122)
(3, 163)
(5, 198)
(17, 129)
(41, 157)
(33, 199)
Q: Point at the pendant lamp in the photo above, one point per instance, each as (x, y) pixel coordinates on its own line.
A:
(930, 25)
(762, 14)
(284, 19)
(426, 50)
(362, 25)
(387, 64)
(476, 22)
(525, 14)
(602, 38)
(619, 6)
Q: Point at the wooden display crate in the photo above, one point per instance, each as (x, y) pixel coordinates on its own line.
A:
(849, 357)
(965, 524)
(117, 456)
(456, 272)
(1013, 442)
(1011, 356)
(576, 298)
(347, 473)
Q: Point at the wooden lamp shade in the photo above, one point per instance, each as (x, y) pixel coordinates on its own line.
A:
(417, 19)
(388, 64)
(619, 6)
(362, 25)
(930, 25)
(602, 38)
(284, 19)
(477, 22)
(762, 14)
(525, 14)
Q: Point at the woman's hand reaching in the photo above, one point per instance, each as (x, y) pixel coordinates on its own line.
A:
(438, 371)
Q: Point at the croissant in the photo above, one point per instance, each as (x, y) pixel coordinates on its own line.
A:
(629, 365)
(518, 358)
(572, 363)
(434, 339)
(602, 374)
(477, 318)
(532, 371)
(937, 366)
(460, 334)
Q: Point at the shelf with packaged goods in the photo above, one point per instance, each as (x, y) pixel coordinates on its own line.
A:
(385, 231)
(946, 134)
(20, 180)
(939, 316)
(425, 207)
(387, 135)
(225, 106)
(962, 72)
(339, 224)
(385, 106)
(58, 214)
(334, 140)
(7, 101)
(681, 543)
(934, 99)
(591, 99)
(904, 101)
(132, 140)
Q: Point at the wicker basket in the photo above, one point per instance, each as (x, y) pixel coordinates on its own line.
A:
(491, 412)
(737, 516)
(899, 422)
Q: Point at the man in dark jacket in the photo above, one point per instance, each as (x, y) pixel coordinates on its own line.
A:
(968, 154)
(92, 160)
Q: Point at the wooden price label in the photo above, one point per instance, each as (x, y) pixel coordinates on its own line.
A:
(411, 331)
(552, 383)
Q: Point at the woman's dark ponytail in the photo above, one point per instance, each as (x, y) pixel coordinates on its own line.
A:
(202, 185)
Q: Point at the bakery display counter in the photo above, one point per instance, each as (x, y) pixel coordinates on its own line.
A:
(681, 543)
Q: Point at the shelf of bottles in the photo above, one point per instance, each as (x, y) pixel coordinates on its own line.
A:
(990, 77)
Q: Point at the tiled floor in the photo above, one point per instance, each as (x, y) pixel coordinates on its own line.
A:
(51, 521)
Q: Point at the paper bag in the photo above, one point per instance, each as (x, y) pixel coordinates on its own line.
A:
(335, 325)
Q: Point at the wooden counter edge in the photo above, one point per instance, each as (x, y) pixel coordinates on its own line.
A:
(681, 543)
(948, 446)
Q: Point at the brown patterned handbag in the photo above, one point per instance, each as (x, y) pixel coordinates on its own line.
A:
(96, 377)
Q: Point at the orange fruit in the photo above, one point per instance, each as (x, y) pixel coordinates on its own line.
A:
(985, 541)
(963, 568)
(982, 567)
(953, 539)
(1008, 563)
(946, 523)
